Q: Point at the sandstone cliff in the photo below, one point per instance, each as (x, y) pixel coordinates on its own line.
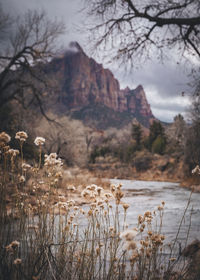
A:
(86, 84)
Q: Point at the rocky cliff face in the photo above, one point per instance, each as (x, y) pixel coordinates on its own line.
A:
(84, 82)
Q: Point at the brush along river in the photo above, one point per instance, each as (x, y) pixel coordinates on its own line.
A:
(147, 195)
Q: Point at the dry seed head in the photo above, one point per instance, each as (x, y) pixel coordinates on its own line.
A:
(17, 261)
(93, 187)
(21, 136)
(196, 170)
(112, 188)
(147, 214)
(4, 137)
(22, 179)
(108, 195)
(119, 186)
(99, 190)
(71, 203)
(140, 219)
(160, 208)
(125, 206)
(15, 244)
(162, 237)
(39, 141)
(97, 251)
(13, 152)
(130, 245)
(172, 259)
(129, 234)
(90, 212)
(9, 248)
(25, 166)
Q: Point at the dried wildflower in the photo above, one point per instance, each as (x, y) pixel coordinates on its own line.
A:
(22, 179)
(160, 208)
(25, 166)
(9, 248)
(108, 195)
(93, 187)
(97, 251)
(111, 229)
(125, 206)
(13, 153)
(52, 160)
(147, 214)
(58, 174)
(140, 219)
(129, 234)
(82, 211)
(118, 196)
(17, 261)
(21, 136)
(39, 141)
(4, 137)
(90, 212)
(162, 237)
(99, 190)
(71, 203)
(196, 170)
(130, 245)
(85, 193)
(119, 187)
(15, 244)
(71, 188)
(112, 188)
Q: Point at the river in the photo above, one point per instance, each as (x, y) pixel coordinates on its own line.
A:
(147, 195)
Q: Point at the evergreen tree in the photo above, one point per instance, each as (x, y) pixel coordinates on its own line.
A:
(137, 134)
(157, 138)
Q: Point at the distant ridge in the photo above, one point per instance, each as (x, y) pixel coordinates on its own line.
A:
(86, 88)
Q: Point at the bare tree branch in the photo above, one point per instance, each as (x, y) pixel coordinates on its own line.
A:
(30, 42)
(134, 27)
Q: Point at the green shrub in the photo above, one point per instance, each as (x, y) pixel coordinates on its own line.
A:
(159, 145)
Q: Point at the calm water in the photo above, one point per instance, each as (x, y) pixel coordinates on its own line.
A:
(145, 195)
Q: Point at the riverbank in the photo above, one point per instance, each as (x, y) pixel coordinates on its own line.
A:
(162, 169)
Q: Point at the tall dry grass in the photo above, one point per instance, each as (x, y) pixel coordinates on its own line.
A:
(45, 235)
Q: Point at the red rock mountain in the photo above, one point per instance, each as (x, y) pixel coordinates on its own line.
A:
(85, 84)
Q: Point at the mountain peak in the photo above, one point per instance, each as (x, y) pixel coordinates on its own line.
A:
(74, 47)
(86, 84)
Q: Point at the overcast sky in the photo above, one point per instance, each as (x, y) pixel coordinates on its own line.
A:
(163, 83)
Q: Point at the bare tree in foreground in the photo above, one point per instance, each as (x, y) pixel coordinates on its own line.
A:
(26, 43)
(137, 27)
